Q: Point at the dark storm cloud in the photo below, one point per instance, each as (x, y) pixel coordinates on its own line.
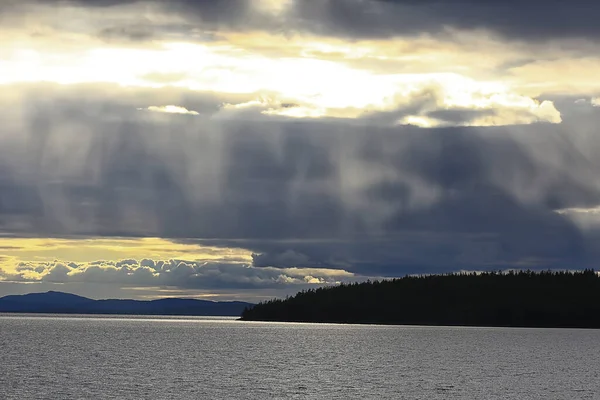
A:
(529, 19)
(477, 222)
(370, 200)
(133, 20)
(536, 19)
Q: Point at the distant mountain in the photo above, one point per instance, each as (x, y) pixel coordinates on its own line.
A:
(65, 303)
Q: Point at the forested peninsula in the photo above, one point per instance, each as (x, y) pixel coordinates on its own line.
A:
(502, 299)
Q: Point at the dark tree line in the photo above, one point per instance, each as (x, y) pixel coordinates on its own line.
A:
(517, 299)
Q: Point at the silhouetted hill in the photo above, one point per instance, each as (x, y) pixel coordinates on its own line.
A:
(65, 303)
(523, 299)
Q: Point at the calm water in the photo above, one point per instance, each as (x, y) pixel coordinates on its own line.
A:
(57, 357)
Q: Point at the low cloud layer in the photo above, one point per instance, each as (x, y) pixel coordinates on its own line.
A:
(177, 275)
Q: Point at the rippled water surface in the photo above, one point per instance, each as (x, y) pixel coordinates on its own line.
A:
(55, 357)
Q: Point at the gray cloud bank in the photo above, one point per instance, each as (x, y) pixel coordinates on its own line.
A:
(368, 199)
(512, 18)
(536, 19)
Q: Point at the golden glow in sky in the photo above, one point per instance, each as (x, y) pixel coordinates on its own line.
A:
(155, 267)
(327, 79)
(94, 249)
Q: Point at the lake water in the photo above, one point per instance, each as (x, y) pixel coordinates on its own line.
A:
(57, 357)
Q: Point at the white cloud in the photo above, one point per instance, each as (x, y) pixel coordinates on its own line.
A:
(313, 280)
(594, 101)
(585, 218)
(421, 100)
(585, 211)
(170, 109)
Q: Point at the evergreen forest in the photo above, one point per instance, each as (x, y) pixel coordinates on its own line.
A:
(503, 299)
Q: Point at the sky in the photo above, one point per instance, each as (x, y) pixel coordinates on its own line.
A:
(249, 149)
